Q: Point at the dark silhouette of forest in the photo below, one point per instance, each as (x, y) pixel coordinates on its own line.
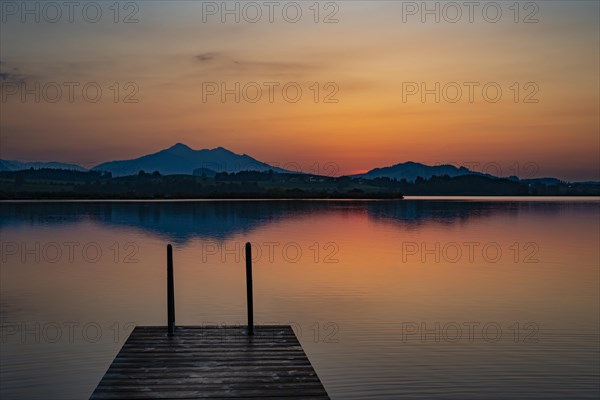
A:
(67, 184)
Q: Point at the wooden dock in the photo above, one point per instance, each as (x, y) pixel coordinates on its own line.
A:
(216, 362)
(211, 363)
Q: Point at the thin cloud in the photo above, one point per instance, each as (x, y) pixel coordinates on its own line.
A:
(207, 57)
(225, 63)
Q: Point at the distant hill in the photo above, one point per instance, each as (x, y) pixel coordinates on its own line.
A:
(13, 165)
(182, 160)
(411, 170)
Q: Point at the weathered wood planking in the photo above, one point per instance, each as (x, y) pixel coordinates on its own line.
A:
(211, 362)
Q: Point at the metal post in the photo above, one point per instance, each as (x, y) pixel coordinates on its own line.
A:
(170, 292)
(249, 301)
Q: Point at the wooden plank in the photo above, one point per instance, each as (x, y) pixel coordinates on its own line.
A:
(217, 362)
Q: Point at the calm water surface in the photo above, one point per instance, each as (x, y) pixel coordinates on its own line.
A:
(422, 298)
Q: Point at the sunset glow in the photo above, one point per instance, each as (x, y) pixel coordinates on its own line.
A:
(362, 113)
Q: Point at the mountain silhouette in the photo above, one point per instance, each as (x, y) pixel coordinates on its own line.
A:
(181, 159)
(13, 165)
(412, 170)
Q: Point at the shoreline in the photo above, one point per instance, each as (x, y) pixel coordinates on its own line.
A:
(405, 198)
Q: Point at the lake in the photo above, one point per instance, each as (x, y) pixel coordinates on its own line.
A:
(425, 298)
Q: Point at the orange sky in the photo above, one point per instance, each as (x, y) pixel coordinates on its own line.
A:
(370, 57)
